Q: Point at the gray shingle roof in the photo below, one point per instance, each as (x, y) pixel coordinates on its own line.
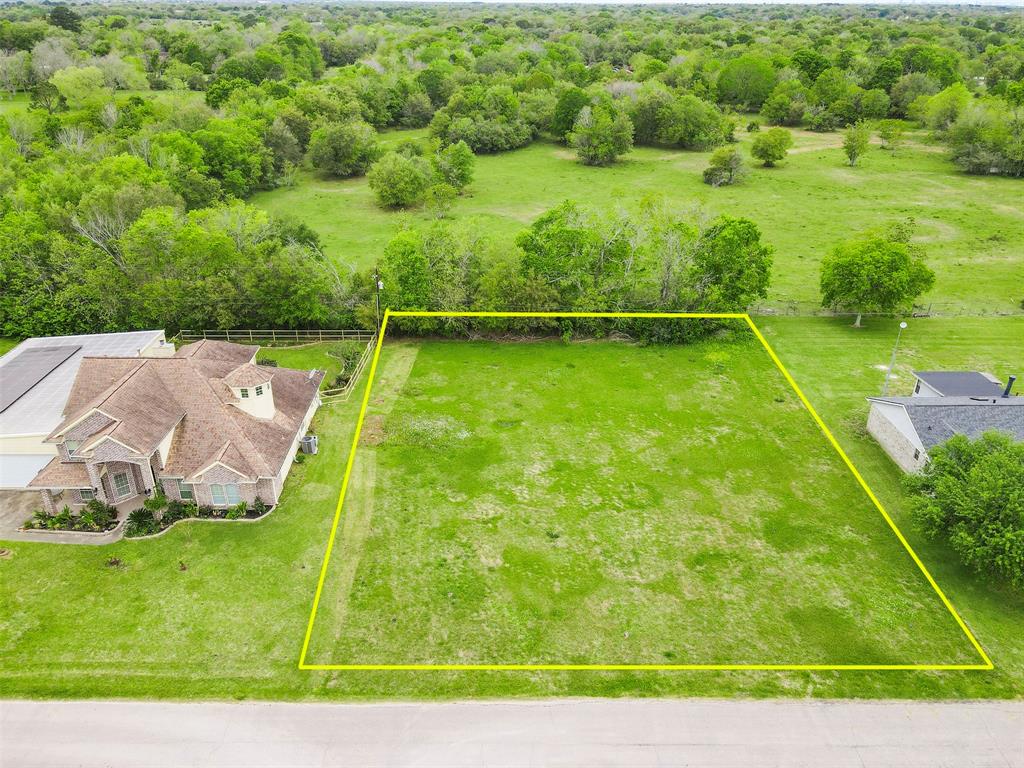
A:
(960, 383)
(936, 419)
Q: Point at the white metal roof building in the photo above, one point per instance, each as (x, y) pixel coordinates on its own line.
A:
(35, 380)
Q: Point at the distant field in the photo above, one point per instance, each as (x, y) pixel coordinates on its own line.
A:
(230, 625)
(601, 503)
(973, 226)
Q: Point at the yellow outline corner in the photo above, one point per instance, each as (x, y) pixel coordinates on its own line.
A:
(986, 661)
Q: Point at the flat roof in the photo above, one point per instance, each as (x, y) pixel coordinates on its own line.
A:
(37, 409)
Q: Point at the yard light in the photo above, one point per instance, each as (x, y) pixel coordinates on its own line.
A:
(379, 285)
(892, 360)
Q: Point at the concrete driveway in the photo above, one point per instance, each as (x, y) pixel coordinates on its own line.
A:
(634, 733)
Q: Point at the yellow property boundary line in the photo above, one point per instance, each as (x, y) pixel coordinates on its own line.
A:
(986, 661)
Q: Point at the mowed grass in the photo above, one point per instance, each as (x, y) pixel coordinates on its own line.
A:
(231, 625)
(972, 226)
(326, 356)
(602, 503)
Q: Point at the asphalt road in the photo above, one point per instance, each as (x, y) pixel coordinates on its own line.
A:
(538, 733)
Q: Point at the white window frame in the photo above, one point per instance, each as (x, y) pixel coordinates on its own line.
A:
(259, 390)
(71, 446)
(186, 488)
(86, 494)
(245, 393)
(216, 489)
(127, 483)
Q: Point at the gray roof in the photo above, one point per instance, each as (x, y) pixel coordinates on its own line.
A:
(39, 408)
(936, 419)
(961, 383)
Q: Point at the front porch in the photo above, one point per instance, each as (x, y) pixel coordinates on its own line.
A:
(123, 484)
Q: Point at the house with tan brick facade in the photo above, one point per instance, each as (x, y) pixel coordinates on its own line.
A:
(943, 404)
(207, 425)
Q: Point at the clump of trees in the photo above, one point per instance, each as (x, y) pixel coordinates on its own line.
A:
(971, 494)
(880, 271)
(576, 258)
(600, 134)
(403, 179)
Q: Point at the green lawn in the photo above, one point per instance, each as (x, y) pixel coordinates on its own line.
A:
(602, 503)
(973, 226)
(6, 344)
(231, 624)
(327, 356)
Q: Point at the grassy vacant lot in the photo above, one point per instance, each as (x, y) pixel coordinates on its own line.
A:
(231, 624)
(974, 226)
(602, 503)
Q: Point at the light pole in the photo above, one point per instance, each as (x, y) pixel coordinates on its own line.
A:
(378, 284)
(892, 360)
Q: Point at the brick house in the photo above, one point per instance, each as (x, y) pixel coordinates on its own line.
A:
(205, 425)
(943, 404)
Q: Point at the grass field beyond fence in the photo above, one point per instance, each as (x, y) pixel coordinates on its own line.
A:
(607, 504)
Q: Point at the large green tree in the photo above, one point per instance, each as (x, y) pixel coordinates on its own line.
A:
(880, 271)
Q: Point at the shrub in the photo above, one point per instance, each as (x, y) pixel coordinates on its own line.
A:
(300, 457)
(771, 146)
(399, 182)
(726, 167)
(971, 493)
(236, 512)
(176, 510)
(260, 507)
(753, 126)
(141, 522)
(454, 165)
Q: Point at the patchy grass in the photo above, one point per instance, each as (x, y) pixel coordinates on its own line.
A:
(974, 226)
(231, 625)
(603, 503)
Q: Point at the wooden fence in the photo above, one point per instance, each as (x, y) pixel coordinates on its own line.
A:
(341, 394)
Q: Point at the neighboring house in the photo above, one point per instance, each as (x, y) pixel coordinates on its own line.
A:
(35, 381)
(944, 403)
(206, 425)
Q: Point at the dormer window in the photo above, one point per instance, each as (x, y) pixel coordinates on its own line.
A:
(245, 393)
(259, 390)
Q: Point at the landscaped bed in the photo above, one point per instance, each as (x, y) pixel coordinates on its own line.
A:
(158, 514)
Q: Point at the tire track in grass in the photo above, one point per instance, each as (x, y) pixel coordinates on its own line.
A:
(357, 512)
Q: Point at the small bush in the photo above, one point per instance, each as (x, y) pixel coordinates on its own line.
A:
(236, 512)
(141, 522)
(300, 457)
(753, 126)
(260, 507)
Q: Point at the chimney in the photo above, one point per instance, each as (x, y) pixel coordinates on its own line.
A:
(1009, 386)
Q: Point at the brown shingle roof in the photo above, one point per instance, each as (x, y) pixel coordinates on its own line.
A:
(57, 474)
(248, 375)
(187, 393)
(224, 351)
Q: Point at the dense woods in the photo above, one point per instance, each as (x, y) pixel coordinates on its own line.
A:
(123, 184)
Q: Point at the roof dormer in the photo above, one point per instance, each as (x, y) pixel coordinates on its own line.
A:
(252, 389)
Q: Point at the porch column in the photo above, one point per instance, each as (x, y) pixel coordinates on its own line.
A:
(148, 480)
(97, 483)
(48, 503)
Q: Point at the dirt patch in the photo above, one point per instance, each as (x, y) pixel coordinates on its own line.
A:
(373, 430)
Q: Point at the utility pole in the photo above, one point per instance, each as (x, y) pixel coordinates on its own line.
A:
(892, 360)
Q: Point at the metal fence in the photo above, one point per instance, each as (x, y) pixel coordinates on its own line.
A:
(937, 309)
(275, 336)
